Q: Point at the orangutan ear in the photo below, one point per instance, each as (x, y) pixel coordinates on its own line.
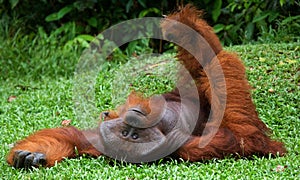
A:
(108, 115)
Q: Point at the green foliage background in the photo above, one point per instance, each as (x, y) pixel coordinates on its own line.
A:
(235, 21)
(42, 40)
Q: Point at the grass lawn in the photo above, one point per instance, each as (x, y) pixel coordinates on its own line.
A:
(43, 91)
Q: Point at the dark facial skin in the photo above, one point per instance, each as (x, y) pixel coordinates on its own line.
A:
(123, 140)
(141, 130)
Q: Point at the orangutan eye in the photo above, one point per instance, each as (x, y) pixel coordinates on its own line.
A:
(134, 136)
(124, 133)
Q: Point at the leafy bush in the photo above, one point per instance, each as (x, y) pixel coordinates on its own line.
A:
(32, 55)
(235, 21)
(92, 16)
(245, 21)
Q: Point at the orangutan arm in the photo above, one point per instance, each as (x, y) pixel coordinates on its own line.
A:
(49, 146)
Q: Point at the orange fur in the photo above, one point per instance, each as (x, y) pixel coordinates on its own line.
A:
(56, 144)
(241, 131)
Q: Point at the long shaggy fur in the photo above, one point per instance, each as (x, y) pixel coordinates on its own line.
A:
(241, 132)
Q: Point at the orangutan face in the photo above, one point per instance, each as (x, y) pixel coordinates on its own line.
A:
(144, 131)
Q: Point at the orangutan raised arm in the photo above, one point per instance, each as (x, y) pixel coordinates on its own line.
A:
(181, 124)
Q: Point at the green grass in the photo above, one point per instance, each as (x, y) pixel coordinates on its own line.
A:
(43, 88)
